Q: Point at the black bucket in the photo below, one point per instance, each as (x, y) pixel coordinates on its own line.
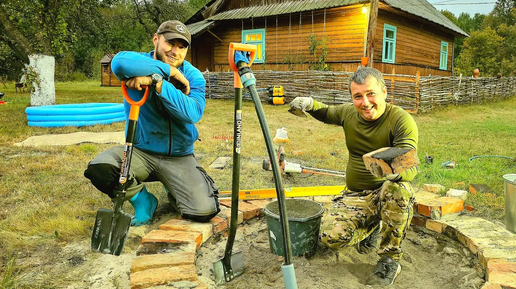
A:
(304, 220)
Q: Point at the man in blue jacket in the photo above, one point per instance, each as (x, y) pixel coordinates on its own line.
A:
(165, 134)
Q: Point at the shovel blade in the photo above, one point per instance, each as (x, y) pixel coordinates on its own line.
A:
(110, 232)
(237, 268)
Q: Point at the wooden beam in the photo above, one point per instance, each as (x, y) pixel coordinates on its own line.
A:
(214, 35)
(371, 31)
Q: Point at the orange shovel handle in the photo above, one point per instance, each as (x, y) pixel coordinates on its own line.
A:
(135, 105)
(231, 56)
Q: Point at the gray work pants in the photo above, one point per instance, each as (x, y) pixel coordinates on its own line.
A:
(194, 192)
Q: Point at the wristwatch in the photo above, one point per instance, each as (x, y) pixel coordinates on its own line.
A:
(156, 78)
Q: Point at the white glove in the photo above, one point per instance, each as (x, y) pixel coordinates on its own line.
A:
(302, 103)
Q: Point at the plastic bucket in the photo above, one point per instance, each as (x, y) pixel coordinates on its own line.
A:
(510, 202)
(304, 219)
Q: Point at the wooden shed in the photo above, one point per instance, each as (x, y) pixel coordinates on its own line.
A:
(409, 35)
(107, 76)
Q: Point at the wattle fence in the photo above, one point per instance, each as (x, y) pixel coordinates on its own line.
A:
(414, 93)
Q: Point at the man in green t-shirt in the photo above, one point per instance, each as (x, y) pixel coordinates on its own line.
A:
(382, 203)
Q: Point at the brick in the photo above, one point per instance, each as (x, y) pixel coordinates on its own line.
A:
(162, 260)
(435, 226)
(225, 213)
(421, 196)
(459, 194)
(434, 188)
(479, 188)
(392, 160)
(164, 248)
(469, 208)
(443, 205)
(501, 265)
(506, 279)
(162, 276)
(418, 221)
(173, 237)
(249, 210)
(206, 229)
(259, 203)
(489, 285)
(219, 224)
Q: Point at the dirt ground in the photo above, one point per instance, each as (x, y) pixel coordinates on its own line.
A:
(430, 261)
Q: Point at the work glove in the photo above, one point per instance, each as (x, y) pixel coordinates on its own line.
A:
(377, 171)
(302, 103)
(244, 56)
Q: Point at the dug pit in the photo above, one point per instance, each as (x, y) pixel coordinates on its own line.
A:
(430, 260)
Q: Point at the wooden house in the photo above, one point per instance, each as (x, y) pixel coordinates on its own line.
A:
(107, 76)
(409, 35)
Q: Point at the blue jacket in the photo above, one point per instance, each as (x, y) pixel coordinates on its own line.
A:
(166, 121)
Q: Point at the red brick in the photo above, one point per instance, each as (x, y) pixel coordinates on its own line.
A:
(259, 203)
(162, 260)
(173, 237)
(501, 265)
(445, 205)
(489, 285)
(219, 224)
(226, 214)
(422, 196)
(506, 279)
(418, 221)
(162, 276)
(400, 159)
(249, 210)
(206, 229)
(435, 226)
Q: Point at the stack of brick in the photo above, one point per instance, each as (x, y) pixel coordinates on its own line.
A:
(167, 256)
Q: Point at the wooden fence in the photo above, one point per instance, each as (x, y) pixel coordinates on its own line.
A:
(413, 93)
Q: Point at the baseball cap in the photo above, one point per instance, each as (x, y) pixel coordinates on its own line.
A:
(173, 29)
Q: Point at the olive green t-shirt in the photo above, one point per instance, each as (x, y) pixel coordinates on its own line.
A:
(395, 128)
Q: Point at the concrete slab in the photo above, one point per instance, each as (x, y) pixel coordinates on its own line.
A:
(74, 138)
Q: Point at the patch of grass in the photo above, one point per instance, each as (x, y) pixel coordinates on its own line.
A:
(8, 279)
(45, 201)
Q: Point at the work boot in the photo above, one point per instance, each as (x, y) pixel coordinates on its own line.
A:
(368, 245)
(385, 272)
(145, 205)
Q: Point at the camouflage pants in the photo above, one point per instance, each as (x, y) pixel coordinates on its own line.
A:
(356, 215)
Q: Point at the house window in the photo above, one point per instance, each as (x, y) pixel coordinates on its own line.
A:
(256, 37)
(443, 62)
(389, 43)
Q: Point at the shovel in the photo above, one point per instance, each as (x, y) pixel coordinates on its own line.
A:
(232, 264)
(112, 226)
(248, 79)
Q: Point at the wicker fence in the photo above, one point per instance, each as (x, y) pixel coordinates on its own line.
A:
(413, 93)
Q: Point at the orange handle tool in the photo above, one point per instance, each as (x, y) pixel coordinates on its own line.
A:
(231, 56)
(135, 105)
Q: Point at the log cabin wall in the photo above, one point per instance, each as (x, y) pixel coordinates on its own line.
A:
(418, 46)
(287, 39)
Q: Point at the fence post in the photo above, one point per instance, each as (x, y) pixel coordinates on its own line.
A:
(418, 74)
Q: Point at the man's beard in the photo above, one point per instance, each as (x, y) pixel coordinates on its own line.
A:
(163, 57)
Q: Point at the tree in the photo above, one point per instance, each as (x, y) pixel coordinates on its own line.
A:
(483, 51)
(37, 28)
(465, 22)
(502, 14)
